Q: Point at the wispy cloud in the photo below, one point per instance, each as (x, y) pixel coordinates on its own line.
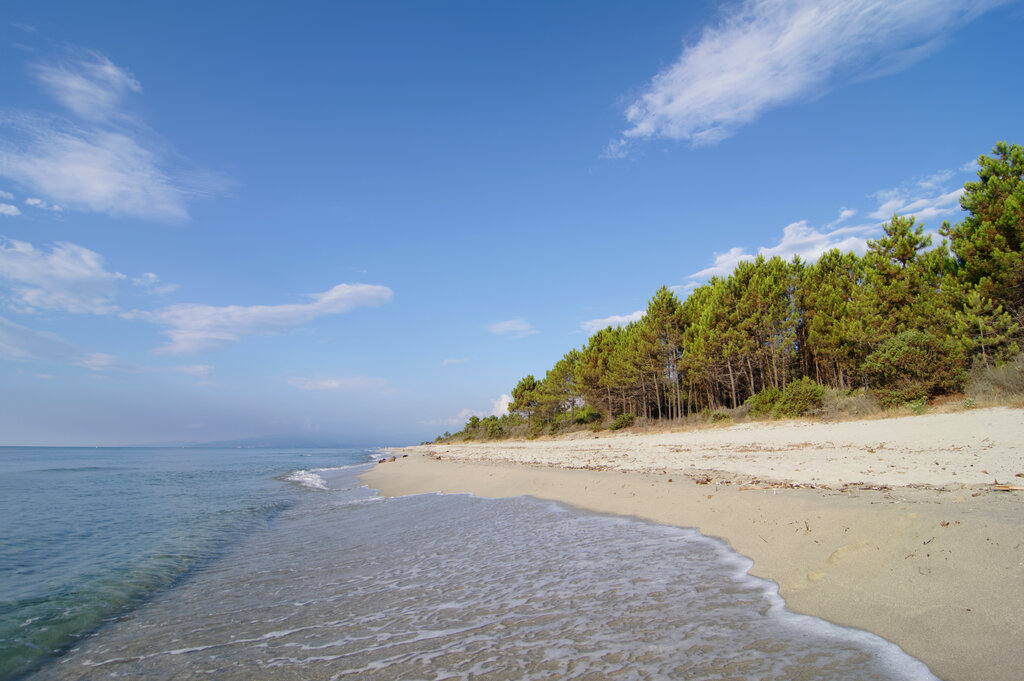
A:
(69, 278)
(514, 328)
(197, 370)
(101, 159)
(150, 283)
(39, 203)
(762, 54)
(593, 325)
(798, 239)
(92, 87)
(22, 344)
(928, 198)
(449, 362)
(350, 384)
(8, 209)
(200, 328)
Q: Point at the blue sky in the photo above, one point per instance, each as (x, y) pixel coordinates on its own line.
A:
(365, 221)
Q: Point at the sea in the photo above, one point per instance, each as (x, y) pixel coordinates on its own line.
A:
(171, 563)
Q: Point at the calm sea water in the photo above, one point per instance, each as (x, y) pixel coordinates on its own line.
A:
(253, 564)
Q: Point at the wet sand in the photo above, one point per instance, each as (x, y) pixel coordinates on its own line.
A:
(893, 525)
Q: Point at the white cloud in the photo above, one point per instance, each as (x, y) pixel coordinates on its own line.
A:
(499, 405)
(499, 408)
(8, 209)
(515, 328)
(925, 204)
(352, 384)
(763, 54)
(69, 278)
(6, 195)
(150, 283)
(970, 167)
(39, 203)
(594, 325)
(92, 87)
(723, 264)
(94, 170)
(926, 198)
(107, 162)
(199, 328)
(449, 362)
(800, 239)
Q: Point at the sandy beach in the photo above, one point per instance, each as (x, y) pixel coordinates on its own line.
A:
(901, 526)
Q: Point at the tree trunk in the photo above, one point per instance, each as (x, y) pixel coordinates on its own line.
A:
(732, 382)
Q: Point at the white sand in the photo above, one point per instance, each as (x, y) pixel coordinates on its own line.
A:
(966, 448)
(902, 533)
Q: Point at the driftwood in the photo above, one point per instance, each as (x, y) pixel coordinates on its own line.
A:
(1007, 488)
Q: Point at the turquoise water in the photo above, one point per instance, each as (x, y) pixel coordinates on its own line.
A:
(244, 565)
(86, 534)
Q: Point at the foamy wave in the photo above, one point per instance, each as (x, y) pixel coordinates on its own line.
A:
(306, 479)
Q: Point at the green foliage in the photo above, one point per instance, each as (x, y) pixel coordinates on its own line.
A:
(985, 330)
(622, 421)
(799, 398)
(781, 339)
(989, 242)
(587, 415)
(918, 406)
(763, 403)
(914, 365)
(493, 429)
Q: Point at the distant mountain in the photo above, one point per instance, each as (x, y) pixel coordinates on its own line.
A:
(267, 441)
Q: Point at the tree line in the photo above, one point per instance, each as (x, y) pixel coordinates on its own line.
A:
(906, 321)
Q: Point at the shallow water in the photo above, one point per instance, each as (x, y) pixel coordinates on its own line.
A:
(343, 584)
(87, 534)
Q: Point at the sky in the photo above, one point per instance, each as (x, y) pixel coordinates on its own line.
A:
(363, 222)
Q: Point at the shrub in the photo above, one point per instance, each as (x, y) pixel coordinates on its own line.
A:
(621, 421)
(587, 415)
(494, 430)
(799, 398)
(856, 403)
(913, 365)
(763, 402)
(918, 406)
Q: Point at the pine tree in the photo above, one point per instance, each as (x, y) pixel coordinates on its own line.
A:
(984, 328)
(989, 242)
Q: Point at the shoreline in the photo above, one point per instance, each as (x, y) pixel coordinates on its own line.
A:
(892, 526)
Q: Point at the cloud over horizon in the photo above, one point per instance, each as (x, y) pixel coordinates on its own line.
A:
(595, 325)
(194, 327)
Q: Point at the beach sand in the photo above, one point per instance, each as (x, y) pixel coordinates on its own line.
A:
(891, 525)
